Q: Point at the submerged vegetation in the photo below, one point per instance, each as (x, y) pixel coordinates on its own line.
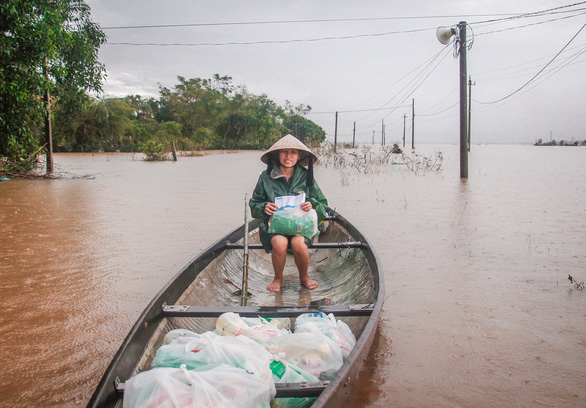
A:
(577, 285)
(370, 159)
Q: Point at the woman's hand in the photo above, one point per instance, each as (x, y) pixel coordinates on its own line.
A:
(270, 208)
(306, 206)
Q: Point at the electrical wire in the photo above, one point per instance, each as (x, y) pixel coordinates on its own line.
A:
(442, 111)
(319, 21)
(533, 14)
(532, 24)
(345, 37)
(518, 16)
(537, 74)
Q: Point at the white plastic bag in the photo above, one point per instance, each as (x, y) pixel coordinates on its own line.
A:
(314, 353)
(282, 323)
(221, 386)
(178, 333)
(285, 372)
(231, 324)
(336, 330)
(209, 349)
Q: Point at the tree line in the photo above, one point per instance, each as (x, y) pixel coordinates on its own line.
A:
(49, 69)
(196, 114)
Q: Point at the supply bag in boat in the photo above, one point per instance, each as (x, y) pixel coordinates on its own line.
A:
(217, 386)
(257, 329)
(284, 372)
(314, 353)
(208, 349)
(293, 221)
(327, 325)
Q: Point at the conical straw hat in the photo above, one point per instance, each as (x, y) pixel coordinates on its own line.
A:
(289, 142)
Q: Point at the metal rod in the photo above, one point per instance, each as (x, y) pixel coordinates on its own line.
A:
(265, 311)
(320, 245)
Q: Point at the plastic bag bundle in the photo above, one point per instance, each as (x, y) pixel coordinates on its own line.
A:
(231, 324)
(314, 353)
(209, 349)
(294, 221)
(176, 334)
(336, 330)
(285, 372)
(283, 323)
(221, 386)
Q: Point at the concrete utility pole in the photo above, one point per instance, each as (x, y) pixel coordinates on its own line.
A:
(404, 119)
(463, 107)
(413, 125)
(383, 133)
(336, 134)
(470, 83)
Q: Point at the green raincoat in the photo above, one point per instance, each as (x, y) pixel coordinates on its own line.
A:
(275, 185)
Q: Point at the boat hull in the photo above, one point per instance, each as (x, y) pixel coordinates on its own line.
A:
(206, 287)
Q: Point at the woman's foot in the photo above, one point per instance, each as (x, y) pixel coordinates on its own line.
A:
(275, 286)
(309, 283)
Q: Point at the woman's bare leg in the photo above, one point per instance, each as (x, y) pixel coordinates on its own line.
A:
(279, 257)
(301, 256)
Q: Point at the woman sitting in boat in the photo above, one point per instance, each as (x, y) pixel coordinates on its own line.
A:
(287, 176)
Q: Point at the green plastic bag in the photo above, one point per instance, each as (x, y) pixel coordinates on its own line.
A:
(293, 221)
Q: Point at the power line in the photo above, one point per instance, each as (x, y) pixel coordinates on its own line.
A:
(360, 110)
(335, 20)
(540, 71)
(511, 17)
(442, 111)
(533, 14)
(346, 37)
(534, 24)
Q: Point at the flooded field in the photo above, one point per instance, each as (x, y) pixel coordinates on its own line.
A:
(479, 310)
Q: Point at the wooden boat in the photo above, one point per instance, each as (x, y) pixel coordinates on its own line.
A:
(351, 287)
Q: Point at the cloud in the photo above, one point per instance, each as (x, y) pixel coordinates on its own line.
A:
(369, 64)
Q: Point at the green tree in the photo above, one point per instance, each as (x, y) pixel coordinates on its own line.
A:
(195, 102)
(45, 46)
(298, 125)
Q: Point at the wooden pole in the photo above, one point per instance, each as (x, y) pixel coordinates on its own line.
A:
(48, 127)
(173, 150)
(336, 134)
(244, 293)
(463, 102)
(354, 136)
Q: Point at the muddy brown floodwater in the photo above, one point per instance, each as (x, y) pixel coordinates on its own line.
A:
(478, 309)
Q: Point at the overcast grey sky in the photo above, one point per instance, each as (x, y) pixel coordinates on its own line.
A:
(367, 60)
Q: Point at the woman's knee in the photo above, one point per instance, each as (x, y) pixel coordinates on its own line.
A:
(279, 243)
(298, 244)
